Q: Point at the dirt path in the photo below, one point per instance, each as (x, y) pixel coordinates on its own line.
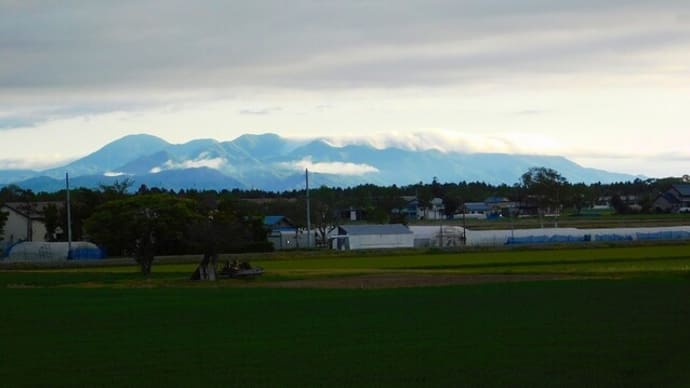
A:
(409, 280)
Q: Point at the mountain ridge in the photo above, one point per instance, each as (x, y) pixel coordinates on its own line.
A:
(273, 163)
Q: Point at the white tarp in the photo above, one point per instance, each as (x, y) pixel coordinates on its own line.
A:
(445, 236)
(539, 235)
(50, 251)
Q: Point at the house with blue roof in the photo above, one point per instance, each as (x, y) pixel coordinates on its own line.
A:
(284, 233)
(279, 223)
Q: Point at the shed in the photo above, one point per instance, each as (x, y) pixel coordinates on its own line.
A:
(352, 237)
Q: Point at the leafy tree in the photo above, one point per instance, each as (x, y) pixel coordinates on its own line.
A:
(117, 190)
(14, 193)
(544, 186)
(144, 226)
(230, 229)
(619, 205)
(51, 218)
(451, 204)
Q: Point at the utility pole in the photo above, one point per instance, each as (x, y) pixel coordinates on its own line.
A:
(306, 174)
(69, 219)
(464, 224)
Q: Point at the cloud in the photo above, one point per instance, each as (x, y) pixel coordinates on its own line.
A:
(11, 122)
(202, 161)
(454, 141)
(34, 162)
(116, 45)
(260, 112)
(340, 168)
(73, 67)
(113, 174)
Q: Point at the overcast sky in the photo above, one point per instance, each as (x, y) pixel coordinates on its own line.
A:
(604, 83)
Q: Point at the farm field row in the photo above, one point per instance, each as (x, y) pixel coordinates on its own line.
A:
(630, 332)
(563, 261)
(614, 316)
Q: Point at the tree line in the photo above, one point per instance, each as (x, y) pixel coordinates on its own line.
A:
(122, 219)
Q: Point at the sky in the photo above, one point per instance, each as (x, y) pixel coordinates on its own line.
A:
(603, 83)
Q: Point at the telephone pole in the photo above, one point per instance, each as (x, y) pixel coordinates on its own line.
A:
(306, 174)
(69, 219)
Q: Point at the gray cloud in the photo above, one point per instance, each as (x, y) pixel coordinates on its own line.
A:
(15, 121)
(177, 44)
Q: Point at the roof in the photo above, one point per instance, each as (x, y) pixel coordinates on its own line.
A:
(32, 209)
(477, 206)
(683, 189)
(273, 220)
(279, 223)
(670, 198)
(374, 229)
(496, 199)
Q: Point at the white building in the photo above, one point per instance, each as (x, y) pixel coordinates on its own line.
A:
(352, 237)
(24, 222)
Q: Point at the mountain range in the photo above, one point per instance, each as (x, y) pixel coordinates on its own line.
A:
(270, 162)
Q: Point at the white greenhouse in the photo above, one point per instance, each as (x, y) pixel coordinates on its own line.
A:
(353, 237)
(54, 251)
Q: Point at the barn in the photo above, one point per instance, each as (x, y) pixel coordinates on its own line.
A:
(353, 237)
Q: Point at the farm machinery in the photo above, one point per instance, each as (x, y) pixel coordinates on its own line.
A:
(230, 270)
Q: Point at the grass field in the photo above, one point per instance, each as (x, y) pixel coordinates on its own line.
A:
(620, 318)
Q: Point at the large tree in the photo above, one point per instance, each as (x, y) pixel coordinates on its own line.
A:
(51, 218)
(545, 187)
(143, 226)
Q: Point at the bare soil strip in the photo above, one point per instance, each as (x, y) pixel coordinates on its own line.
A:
(379, 281)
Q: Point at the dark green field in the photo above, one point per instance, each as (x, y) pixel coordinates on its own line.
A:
(102, 327)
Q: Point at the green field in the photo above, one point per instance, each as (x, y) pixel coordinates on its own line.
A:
(620, 318)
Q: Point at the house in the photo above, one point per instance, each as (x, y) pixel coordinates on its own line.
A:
(352, 214)
(279, 223)
(411, 209)
(352, 237)
(25, 221)
(493, 206)
(477, 209)
(435, 210)
(676, 199)
(284, 233)
(414, 210)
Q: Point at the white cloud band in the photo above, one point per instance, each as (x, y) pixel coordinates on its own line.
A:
(340, 168)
